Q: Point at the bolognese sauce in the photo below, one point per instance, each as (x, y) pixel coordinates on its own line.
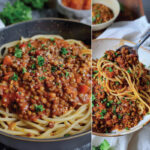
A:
(101, 13)
(44, 77)
(114, 104)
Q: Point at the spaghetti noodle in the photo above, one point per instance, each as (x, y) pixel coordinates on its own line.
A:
(45, 87)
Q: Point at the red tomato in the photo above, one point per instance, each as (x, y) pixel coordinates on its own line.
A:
(83, 89)
(7, 60)
(38, 52)
(22, 45)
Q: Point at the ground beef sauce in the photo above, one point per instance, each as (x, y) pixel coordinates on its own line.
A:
(110, 113)
(44, 77)
(101, 13)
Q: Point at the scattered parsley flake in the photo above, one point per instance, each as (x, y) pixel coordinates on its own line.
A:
(18, 52)
(14, 77)
(24, 70)
(63, 51)
(40, 60)
(39, 108)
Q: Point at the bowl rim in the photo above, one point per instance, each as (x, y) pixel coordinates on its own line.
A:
(130, 131)
(111, 20)
(21, 138)
(72, 9)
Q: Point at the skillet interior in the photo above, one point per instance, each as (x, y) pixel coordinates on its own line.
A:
(65, 28)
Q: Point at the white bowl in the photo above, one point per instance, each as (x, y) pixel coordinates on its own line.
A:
(99, 47)
(114, 6)
(72, 13)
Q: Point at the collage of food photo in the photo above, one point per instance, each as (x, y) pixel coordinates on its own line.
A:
(74, 75)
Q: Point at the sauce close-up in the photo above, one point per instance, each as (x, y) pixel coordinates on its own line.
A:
(101, 13)
(44, 77)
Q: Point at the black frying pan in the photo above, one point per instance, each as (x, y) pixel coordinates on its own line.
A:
(68, 30)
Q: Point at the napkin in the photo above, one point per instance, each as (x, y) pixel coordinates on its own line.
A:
(132, 31)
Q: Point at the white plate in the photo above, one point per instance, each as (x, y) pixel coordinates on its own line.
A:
(99, 47)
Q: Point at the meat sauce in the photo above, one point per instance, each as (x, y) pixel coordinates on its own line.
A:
(109, 112)
(44, 77)
(101, 13)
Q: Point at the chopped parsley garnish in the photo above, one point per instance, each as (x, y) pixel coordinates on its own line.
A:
(101, 78)
(119, 102)
(93, 97)
(104, 100)
(63, 51)
(114, 109)
(116, 53)
(127, 128)
(42, 78)
(117, 83)
(40, 60)
(93, 19)
(95, 71)
(44, 70)
(42, 45)
(66, 135)
(119, 116)
(18, 52)
(148, 83)
(103, 112)
(73, 56)
(105, 56)
(128, 71)
(32, 50)
(52, 39)
(97, 16)
(24, 70)
(92, 105)
(14, 77)
(29, 45)
(67, 74)
(57, 83)
(53, 69)
(61, 65)
(39, 108)
(110, 69)
(33, 66)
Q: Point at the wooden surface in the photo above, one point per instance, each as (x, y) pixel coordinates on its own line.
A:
(130, 10)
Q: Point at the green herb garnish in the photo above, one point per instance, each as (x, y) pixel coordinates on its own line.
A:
(128, 71)
(53, 69)
(29, 45)
(93, 97)
(18, 53)
(33, 66)
(42, 78)
(14, 77)
(40, 60)
(39, 108)
(63, 51)
(66, 135)
(24, 70)
(110, 69)
(67, 74)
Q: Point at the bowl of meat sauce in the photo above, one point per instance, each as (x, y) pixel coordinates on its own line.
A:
(104, 13)
(76, 9)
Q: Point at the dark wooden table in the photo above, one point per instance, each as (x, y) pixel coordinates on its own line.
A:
(130, 10)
